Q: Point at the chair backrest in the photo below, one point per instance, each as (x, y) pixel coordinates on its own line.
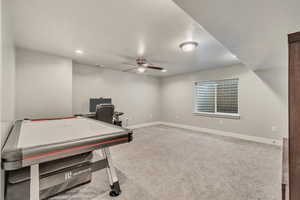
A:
(105, 112)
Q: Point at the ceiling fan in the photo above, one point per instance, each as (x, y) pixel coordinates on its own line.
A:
(142, 65)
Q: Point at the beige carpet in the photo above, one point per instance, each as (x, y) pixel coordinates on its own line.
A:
(176, 164)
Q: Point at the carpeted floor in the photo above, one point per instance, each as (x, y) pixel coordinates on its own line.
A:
(170, 163)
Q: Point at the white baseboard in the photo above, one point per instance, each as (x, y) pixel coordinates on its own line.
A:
(228, 134)
(263, 140)
(144, 125)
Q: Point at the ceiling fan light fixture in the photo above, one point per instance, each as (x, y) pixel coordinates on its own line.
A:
(188, 46)
(79, 51)
(164, 70)
(141, 69)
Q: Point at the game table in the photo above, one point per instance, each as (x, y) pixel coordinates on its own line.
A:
(34, 142)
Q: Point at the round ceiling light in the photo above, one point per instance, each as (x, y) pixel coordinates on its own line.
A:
(188, 46)
(164, 70)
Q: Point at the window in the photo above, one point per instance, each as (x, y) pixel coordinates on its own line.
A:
(219, 98)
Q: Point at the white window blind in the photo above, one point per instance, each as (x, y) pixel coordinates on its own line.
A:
(220, 96)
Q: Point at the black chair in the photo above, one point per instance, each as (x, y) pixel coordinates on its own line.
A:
(105, 112)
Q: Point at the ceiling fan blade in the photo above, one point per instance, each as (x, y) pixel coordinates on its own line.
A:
(154, 67)
(130, 69)
(130, 64)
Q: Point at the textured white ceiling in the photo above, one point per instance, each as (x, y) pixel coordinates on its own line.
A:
(255, 30)
(115, 32)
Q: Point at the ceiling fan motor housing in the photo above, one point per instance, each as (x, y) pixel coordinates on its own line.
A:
(141, 61)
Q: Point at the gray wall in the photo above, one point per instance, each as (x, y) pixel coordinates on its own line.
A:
(43, 85)
(262, 101)
(136, 95)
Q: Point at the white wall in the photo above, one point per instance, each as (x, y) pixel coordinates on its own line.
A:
(48, 86)
(7, 82)
(8, 73)
(2, 178)
(262, 101)
(136, 95)
(51, 86)
(1, 63)
(43, 85)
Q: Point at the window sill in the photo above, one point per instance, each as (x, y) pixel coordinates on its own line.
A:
(218, 115)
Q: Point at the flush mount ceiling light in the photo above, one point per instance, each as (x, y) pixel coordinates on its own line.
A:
(79, 51)
(164, 70)
(188, 46)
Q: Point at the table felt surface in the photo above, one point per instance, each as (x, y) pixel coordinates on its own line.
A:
(35, 133)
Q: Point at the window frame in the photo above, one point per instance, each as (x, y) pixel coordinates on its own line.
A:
(216, 114)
